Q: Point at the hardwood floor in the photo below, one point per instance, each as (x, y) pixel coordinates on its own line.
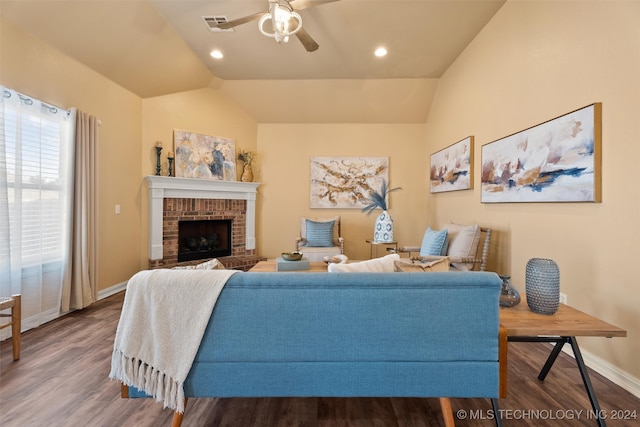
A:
(62, 379)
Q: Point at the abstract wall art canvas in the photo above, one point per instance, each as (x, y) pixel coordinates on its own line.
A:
(345, 182)
(204, 156)
(556, 161)
(452, 167)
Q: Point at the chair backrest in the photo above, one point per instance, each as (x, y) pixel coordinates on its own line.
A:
(483, 249)
(336, 232)
(468, 246)
(467, 262)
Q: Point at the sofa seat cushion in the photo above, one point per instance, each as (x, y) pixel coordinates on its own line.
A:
(317, 254)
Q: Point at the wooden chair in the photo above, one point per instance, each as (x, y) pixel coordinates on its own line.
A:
(13, 302)
(479, 261)
(318, 253)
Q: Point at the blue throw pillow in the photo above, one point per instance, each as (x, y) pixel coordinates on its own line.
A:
(434, 242)
(319, 234)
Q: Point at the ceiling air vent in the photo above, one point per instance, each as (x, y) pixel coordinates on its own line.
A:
(213, 22)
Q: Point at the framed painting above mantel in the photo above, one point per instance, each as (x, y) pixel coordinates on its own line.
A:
(556, 161)
(204, 156)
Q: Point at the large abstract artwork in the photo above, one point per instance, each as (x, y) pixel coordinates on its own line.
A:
(452, 167)
(556, 161)
(345, 182)
(204, 156)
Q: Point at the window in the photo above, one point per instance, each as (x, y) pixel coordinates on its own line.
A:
(35, 165)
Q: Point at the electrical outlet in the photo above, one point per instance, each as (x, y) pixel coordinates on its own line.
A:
(563, 298)
(117, 209)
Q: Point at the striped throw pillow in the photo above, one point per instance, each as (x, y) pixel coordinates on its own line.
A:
(434, 242)
(320, 234)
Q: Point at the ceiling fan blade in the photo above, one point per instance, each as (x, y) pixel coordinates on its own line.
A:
(305, 4)
(306, 40)
(240, 21)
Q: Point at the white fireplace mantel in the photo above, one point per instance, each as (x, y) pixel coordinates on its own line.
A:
(161, 187)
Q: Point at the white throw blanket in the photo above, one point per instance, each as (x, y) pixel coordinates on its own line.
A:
(383, 264)
(163, 319)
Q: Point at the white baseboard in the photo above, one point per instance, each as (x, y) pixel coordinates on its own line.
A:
(112, 290)
(42, 318)
(609, 371)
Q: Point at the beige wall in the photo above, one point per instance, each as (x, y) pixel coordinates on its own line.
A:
(532, 62)
(34, 68)
(284, 152)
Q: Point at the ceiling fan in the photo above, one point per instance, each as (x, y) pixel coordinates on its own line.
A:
(284, 21)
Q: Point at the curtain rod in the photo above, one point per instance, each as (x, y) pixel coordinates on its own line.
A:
(29, 101)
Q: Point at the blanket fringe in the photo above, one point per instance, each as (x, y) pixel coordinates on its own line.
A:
(134, 372)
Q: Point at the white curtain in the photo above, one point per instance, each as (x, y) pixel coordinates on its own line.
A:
(80, 288)
(35, 189)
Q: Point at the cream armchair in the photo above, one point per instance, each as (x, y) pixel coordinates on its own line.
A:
(320, 238)
(467, 246)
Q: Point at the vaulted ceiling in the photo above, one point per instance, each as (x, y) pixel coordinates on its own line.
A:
(158, 47)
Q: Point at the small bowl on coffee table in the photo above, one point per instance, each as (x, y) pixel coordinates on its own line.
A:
(292, 256)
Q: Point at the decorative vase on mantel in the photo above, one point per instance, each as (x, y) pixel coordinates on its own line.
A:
(383, 231)
(247, 173)
(542, 282)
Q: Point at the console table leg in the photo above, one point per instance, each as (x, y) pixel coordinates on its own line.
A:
(552, 358)
(560, 341)
(587, 381)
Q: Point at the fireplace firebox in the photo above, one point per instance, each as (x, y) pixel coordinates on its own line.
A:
(203, 239)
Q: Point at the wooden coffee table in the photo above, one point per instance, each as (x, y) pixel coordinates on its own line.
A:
(269, 266)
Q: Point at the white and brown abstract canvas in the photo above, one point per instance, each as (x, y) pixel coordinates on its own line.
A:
(556, 161)
(345, 182)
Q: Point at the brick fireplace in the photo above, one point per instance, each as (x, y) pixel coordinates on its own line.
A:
(172, 200)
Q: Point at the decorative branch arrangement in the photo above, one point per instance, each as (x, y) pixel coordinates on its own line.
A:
(378, 199)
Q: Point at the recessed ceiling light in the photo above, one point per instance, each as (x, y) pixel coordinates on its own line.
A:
(216, 54)
(380, 52)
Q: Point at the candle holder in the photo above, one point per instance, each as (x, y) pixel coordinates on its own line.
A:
(158, 151)
(170, 166)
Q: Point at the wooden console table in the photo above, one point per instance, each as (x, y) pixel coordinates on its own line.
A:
(561, 328)
(523, 325)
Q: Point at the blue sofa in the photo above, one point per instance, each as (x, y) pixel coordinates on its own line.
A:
(353, 335)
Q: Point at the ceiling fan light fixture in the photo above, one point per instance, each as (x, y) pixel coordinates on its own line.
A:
(281, 18)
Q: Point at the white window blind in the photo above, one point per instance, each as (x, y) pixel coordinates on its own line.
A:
(35, 171)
